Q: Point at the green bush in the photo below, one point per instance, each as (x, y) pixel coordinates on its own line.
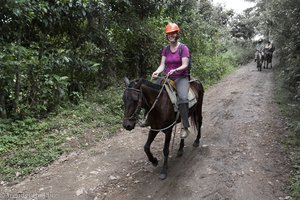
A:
(28, 144)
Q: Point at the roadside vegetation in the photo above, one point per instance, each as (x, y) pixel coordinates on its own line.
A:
(289, 108)
(62, 64)
(29, 144)
(287, 76)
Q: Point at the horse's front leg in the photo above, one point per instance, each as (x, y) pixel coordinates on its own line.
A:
(151, 137)
(164, 171)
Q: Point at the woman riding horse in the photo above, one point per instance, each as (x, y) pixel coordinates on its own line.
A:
(161, 115)
(176, 66)
(144, 94)
(259, 54)
(268, 51)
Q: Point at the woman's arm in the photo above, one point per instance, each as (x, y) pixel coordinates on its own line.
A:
(161, 67)
(185, 63)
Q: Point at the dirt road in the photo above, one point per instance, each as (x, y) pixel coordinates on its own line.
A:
(240, 157)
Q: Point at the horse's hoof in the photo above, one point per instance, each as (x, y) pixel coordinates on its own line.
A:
(196, 144)
(163, 176)
(179, 153)
(154, 162)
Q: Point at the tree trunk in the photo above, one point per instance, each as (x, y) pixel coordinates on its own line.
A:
(17, 92)
(3, 114)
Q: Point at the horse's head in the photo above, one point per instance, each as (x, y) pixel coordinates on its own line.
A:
(132, 99)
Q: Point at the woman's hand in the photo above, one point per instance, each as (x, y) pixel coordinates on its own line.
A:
(155, 75)
(172, 71)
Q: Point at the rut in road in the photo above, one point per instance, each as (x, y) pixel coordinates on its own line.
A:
(240, 156)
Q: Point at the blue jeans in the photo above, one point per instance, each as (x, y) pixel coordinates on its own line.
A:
(182, 87)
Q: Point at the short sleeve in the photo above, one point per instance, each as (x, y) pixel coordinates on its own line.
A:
(185, 51)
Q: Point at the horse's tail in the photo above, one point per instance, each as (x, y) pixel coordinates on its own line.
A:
(196, 116)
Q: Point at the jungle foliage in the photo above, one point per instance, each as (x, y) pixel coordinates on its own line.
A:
(56, 51)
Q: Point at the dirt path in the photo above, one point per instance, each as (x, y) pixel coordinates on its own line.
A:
(240, 157)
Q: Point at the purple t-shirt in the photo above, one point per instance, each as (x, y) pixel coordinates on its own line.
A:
(173, 61)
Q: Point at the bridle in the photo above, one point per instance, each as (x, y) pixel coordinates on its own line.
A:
(137, 110)
(134, 116)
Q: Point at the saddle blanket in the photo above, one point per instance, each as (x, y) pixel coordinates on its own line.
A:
(173, 97)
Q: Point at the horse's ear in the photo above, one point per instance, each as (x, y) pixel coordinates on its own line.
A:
(126, 81)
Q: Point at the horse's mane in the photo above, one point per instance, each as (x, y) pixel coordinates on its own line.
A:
(150, 84)
(138, 82)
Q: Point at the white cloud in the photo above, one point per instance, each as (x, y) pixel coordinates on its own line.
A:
(237, 5)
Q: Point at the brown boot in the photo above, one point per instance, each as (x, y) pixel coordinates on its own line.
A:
(184, 112)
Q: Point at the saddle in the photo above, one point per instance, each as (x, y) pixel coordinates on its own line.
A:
(171, 90)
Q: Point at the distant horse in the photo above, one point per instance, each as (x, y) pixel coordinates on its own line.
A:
(152, 97)
(268, 54)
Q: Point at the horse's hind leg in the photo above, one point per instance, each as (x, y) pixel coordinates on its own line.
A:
(164, 171)
(180, 150)
(197, 140)
(151, 137)
(258, 63)
(198, 120)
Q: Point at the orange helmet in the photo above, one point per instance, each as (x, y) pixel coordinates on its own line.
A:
(172, 27)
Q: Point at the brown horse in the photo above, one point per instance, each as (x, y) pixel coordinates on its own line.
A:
(268, 54)
(152, 97)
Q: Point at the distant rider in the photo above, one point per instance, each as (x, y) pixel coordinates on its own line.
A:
(259, 49)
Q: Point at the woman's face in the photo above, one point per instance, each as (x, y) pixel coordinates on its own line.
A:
(172, 37)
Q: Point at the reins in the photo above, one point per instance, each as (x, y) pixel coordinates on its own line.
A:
(153, 105)
(171, 125)
(137, 110)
